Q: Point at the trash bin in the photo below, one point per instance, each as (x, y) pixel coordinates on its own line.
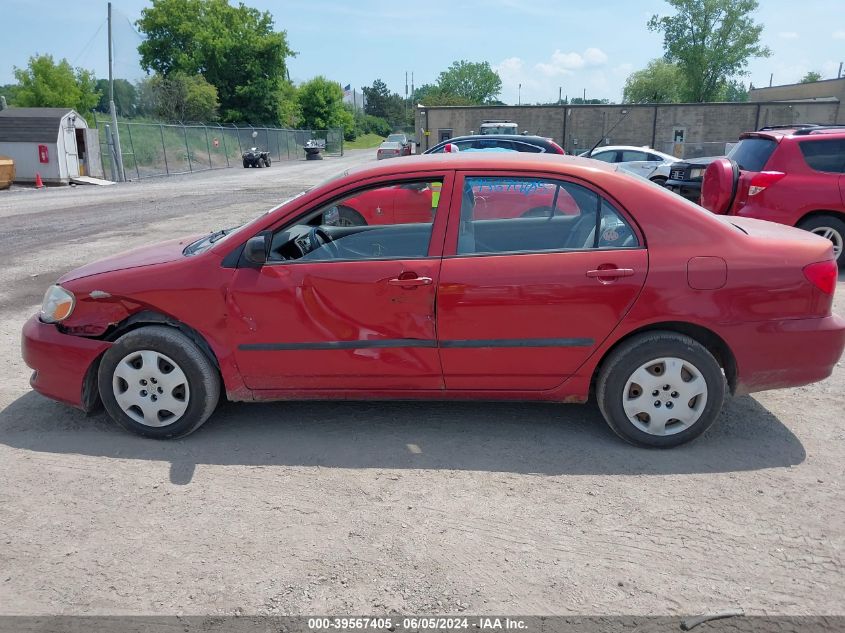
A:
(7, 172)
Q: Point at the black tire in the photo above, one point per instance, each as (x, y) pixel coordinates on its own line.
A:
(619, 367)
(659, 180)
(246, 165)
(259, 163)
(203, 381)
(267, 161)
(831, 222)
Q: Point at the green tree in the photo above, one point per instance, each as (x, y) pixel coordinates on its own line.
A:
(433, 95)
(811, 77)
(710, 41)
(236, 49)
(474, 82)
(125, 97)
(322, 106)
(659, 82)
(9, 91)
(376, 98)
(46, 84)
(179, 97)
(734, 91)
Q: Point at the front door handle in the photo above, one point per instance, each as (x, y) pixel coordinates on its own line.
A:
(610, 273)
(410, 282)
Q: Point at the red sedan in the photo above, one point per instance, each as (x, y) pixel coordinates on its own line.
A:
(614, 286)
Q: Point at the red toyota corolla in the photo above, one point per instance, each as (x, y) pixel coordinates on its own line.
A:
(602, 282)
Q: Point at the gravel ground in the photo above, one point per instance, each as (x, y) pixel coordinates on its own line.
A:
(371, 508)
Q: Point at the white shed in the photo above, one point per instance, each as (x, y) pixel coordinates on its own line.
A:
(54, 142)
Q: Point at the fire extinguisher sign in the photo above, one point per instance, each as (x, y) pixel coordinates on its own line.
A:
(43, 154)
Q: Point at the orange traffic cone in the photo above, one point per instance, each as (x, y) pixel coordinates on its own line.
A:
(39, 184)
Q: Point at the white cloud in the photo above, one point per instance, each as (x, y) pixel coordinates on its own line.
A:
(562, 63)
(839, 35)
(788, 35)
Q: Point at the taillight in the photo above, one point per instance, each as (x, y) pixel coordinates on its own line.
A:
(763, 180)
(556, 149)
(822, 275)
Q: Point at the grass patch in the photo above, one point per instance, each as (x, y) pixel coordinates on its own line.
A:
(365, 141)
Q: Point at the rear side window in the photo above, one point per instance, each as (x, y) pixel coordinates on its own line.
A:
(531, 215)
(826, 155)
(752, 154)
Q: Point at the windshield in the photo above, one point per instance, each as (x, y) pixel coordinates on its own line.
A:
(498, 129)
(396, 138)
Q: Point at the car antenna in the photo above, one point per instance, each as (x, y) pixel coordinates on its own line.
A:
(606, 134)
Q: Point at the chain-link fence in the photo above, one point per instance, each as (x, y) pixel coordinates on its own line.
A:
(162, 149)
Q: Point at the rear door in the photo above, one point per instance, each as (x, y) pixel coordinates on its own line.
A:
(523, 300)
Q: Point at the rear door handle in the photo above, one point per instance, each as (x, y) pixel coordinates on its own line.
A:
(610, 273)
(410, 282)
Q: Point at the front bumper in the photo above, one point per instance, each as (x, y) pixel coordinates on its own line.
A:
(789, 353)
(688, 189)
(61, 362)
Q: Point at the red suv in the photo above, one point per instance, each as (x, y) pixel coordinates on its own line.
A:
(793, 176)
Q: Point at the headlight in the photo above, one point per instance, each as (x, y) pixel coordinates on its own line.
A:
(697, 173)
(58, 304)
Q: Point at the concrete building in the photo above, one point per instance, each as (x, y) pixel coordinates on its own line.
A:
(53, 142)
(683, 129)
(826, 90)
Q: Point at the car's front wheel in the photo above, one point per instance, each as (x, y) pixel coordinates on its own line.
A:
(156, 382)
(660, 389)
(831, 228)
(267, 161)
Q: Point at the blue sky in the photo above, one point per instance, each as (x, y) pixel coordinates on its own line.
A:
(542, 44)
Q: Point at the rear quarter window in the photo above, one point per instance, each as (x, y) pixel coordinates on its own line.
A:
(827, 155)
(752, 154)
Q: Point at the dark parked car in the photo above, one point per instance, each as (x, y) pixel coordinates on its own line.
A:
(255, 157)
(512, 142)
(685, 177)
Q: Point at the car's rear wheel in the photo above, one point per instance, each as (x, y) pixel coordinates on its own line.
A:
(267, 161)
(831, 228)
(156, 382)
(246, 164)
(660, 389)
(349, 217)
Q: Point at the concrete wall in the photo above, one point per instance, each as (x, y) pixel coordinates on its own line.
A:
(706, 127)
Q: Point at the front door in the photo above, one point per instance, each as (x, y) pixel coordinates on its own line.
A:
(527, 295)
(344, 306)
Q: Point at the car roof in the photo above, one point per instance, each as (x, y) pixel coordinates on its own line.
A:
(501, 137)
(799, 132)
(519, 161)
(638, 148)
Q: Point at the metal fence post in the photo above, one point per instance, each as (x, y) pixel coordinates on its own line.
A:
(110, 145)
(238, 137)
(208, 147)
(132, 145)
(187, 151)
(225, 148)
(164, 149)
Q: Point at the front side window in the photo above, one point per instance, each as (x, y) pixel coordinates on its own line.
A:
(385, 222)
(827, 156)
(607, 157)
(530, 215)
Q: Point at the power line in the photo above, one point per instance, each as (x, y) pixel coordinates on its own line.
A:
(91, 41)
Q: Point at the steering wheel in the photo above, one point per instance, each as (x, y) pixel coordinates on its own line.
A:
(318, 237)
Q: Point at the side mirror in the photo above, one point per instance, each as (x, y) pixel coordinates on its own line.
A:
(255, 250)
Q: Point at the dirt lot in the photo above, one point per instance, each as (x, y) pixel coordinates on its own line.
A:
(330, 508)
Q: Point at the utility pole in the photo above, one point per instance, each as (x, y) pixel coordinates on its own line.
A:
(559, 94)
(839, 74)
(118, 157)
(585, 96)
(771, 78)
(406, 95)
(519, 95)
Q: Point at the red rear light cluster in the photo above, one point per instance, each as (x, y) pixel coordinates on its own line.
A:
(556, 149)
(822, 275)
(764, 179)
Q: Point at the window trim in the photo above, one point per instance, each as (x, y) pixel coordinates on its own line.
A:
(450, 247)
(438, 225)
